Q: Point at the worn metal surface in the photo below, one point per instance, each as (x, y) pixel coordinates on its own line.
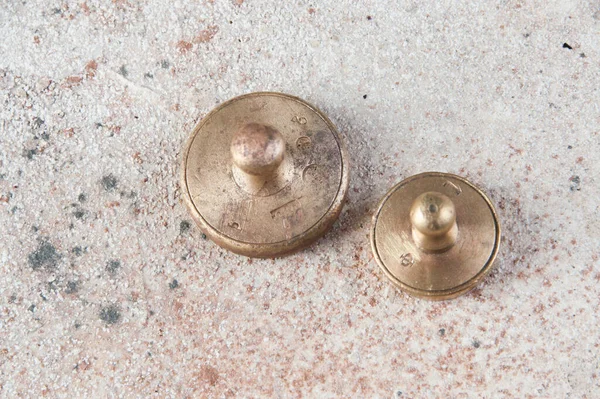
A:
(264, 211)
(455, 268)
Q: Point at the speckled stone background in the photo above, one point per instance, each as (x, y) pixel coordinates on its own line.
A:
(107, 289)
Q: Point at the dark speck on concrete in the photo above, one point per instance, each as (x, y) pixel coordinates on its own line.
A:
(38, 122)
(442, 332)
(148, 75)
(78, 251)
(34, 229)
(365, 96)
(110, 314)
(566, 45)
(109, 182)
(52, 286)
(123, 71)
(575, 183)
(113, 265)
(31, 308)
(29, 154)
(369, 17)
(174, 284)
(165, 64)
(203, 236)
(476, 344)
(78, 214)
(12, 298)
(82, 197)
(184, 226)
(72, 287)
(44, 256)
(131, 194)
(570, 147)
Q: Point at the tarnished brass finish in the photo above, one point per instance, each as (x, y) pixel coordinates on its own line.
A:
(435, 235)
(265, 174)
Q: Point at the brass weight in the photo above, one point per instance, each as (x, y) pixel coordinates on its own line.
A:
(435, 235)
(265, 174)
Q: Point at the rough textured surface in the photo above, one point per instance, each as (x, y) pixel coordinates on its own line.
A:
(108, 290)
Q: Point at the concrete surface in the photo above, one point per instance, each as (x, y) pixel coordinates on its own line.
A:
(108, 290)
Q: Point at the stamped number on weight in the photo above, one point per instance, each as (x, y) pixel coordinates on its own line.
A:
(299, 119)
(407, 259)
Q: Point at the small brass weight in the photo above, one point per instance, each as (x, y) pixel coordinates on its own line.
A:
(265, 174)
(435, 235)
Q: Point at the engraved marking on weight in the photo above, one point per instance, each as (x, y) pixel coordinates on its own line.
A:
(299, 119)
(407, 259)
(303, 142)
(279, 208)
(290, 221)
(306, 168)
(236, 214)
(454, 186)
(408, 254)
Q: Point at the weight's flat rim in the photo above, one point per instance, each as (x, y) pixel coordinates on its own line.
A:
(436, 295)
(284, 247)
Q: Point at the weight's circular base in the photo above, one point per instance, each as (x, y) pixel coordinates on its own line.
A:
(435, 275)
(293, 208)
